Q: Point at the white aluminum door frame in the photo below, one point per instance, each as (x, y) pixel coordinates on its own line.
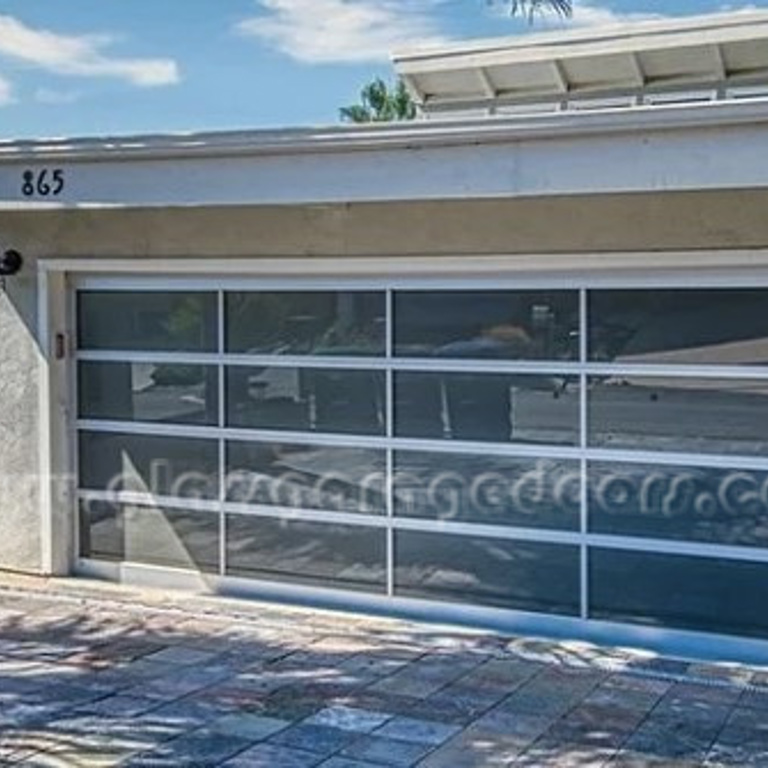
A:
(57, 409)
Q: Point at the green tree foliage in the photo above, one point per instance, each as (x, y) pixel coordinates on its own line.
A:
(380, 103)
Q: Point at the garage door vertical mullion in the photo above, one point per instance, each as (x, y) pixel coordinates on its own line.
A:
(583, 425)
(389, 480)
(222, 440)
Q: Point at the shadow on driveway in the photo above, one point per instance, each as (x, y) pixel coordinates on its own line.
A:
(100, 676)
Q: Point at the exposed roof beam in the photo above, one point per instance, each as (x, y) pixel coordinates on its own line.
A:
(702, 52)
(720, 68)
(637, 70)
(411, 86)
(560, 77)
(489, 89)
(659, 36)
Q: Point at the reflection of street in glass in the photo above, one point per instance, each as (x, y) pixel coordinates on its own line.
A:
(691, 415)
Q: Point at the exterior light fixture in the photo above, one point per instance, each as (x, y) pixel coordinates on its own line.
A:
(11, 262)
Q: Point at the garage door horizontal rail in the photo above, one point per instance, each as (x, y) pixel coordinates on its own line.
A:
(511, 533)
(448, 365)
(437, 445)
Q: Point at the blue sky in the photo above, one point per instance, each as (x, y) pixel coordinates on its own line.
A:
(85, 67)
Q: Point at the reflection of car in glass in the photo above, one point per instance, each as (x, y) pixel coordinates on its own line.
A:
(478, 406)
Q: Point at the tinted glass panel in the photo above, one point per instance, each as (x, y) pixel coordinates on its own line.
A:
(167, 537)
(101, 531)
(147, 320)
(712, 326)
(306, 476)
(493, 490)
(723, 506)
(318, 554)
(509, 325)
(509, 574)
(489, 407)
(172, 537)
(179, 394)
(689, 415)
(164, 466)
(306, 399)
(679, 591)
(311, 322)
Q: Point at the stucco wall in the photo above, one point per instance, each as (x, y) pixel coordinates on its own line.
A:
(566, 224)
(668, 222)
(19, 366)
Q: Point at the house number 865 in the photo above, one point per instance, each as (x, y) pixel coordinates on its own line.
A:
(43, 183)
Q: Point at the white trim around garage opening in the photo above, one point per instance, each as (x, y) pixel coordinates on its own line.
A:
(608, 269)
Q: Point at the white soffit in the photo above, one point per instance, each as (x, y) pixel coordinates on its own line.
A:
(705, 51)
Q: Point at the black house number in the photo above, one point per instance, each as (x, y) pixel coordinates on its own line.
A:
(47, 182)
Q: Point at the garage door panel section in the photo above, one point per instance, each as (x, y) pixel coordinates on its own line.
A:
(681, 414)
(302, 552)
(347, 479)
(712, 326)
(170, 393)
(487, 490)
(101, 530)
(526, 448)
(173, 538)
(148, 321)
(306, 399)
(527, 576)
(155, 465)
(502, 325)
(678, 591)
(487, 407)
(686, 503)
(347, 323)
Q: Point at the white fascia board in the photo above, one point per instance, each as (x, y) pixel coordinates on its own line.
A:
(596, 51)
(621, 36)
(709, 146)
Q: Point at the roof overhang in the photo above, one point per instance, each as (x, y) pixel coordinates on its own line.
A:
(715, 51)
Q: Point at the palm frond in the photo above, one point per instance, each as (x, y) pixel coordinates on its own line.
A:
(355, 113)
(531, 8)
(380, 103)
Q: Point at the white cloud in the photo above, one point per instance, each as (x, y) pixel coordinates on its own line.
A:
(6, 92)
(56, 97)
(593, 14)
(587, 14)
(345, 31)
(79, 55)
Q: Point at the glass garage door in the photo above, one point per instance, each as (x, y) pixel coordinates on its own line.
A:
(595, 454)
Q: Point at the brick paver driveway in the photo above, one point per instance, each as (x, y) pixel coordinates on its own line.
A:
(100, 675)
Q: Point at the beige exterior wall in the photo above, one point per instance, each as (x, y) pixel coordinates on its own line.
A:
(666, 222)
(671, 221)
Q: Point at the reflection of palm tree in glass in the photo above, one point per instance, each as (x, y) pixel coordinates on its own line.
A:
(313, 322)
(183, 324)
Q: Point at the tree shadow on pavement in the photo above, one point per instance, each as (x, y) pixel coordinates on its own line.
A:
(89, 681)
